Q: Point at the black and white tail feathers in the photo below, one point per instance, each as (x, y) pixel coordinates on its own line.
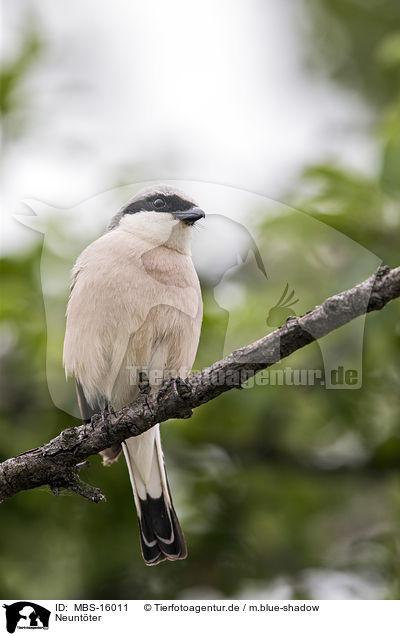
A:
(161, 536)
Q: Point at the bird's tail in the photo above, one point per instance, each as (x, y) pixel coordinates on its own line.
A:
(161, 536)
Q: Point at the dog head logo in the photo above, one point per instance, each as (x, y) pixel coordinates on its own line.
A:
(26, 615)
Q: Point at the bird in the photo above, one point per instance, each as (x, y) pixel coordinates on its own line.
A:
(135, 310)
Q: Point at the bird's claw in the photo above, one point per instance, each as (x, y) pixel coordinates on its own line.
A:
(144, 384)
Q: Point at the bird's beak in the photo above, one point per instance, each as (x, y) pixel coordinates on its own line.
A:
(189, 216)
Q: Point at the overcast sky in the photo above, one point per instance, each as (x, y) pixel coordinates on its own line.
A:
(210, 91)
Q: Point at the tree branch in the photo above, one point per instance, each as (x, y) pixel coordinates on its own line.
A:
(58, 462)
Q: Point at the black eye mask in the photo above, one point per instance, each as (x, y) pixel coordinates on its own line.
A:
(158, 203)
(183, 209)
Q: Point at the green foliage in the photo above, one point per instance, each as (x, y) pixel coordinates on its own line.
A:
(13, 74)
(262, 488)
(356, 42)
(274, 485)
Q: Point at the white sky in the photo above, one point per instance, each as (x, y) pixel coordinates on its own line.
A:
(209, 91)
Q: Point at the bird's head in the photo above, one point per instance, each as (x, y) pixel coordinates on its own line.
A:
(156, 206)
(159, 213)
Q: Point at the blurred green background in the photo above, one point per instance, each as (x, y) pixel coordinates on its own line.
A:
(285, 493)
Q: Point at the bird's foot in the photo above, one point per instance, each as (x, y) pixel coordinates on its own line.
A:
(144, 384)
(106, 411)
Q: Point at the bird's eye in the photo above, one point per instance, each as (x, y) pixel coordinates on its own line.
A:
(159, 203)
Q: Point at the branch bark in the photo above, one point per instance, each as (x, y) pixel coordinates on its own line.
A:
(59, 462)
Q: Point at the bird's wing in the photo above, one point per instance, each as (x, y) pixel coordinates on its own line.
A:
(113, 295)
